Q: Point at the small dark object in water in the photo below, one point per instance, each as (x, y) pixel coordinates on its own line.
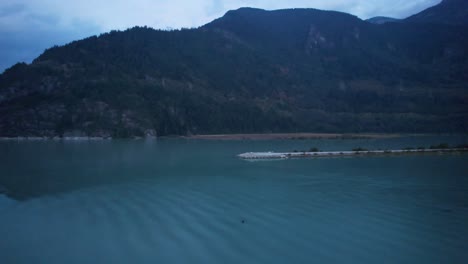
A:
(243, 221)
(447, 210)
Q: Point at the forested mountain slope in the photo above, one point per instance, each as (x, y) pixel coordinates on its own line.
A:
(249, 71)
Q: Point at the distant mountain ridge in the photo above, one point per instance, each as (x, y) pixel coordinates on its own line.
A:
(249, 71)
(381, 20)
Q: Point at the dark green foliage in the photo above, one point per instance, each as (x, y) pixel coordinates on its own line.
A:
(249, 71)
(359, 149)
(440, 146)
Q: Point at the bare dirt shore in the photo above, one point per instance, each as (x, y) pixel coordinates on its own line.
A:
(291, 136)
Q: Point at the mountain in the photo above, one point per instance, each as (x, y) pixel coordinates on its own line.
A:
(249, 71)
(381, 20)
(451, 12)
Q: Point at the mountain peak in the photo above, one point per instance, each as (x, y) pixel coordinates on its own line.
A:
(286, 12)
(381, 20)
(278, 18)
(244, 10)
(444, 2)
(451, 12)
(286, 27)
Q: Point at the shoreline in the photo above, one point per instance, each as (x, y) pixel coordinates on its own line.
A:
(359, 153)
(297, 136)
(233, 137)
(54, 138)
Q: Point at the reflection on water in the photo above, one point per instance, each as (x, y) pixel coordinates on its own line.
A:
(178, 201)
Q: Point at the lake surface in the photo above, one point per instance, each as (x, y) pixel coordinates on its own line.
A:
(193, 201)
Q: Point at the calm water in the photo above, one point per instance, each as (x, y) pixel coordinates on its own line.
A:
(180, 201)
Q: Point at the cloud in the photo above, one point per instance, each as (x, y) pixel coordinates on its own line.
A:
(28, 30)
(28, 27)
(11, 9)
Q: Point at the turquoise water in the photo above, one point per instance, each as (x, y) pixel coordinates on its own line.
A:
(193, 201)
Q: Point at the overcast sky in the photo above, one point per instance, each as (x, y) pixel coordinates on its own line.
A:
(27, 27)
